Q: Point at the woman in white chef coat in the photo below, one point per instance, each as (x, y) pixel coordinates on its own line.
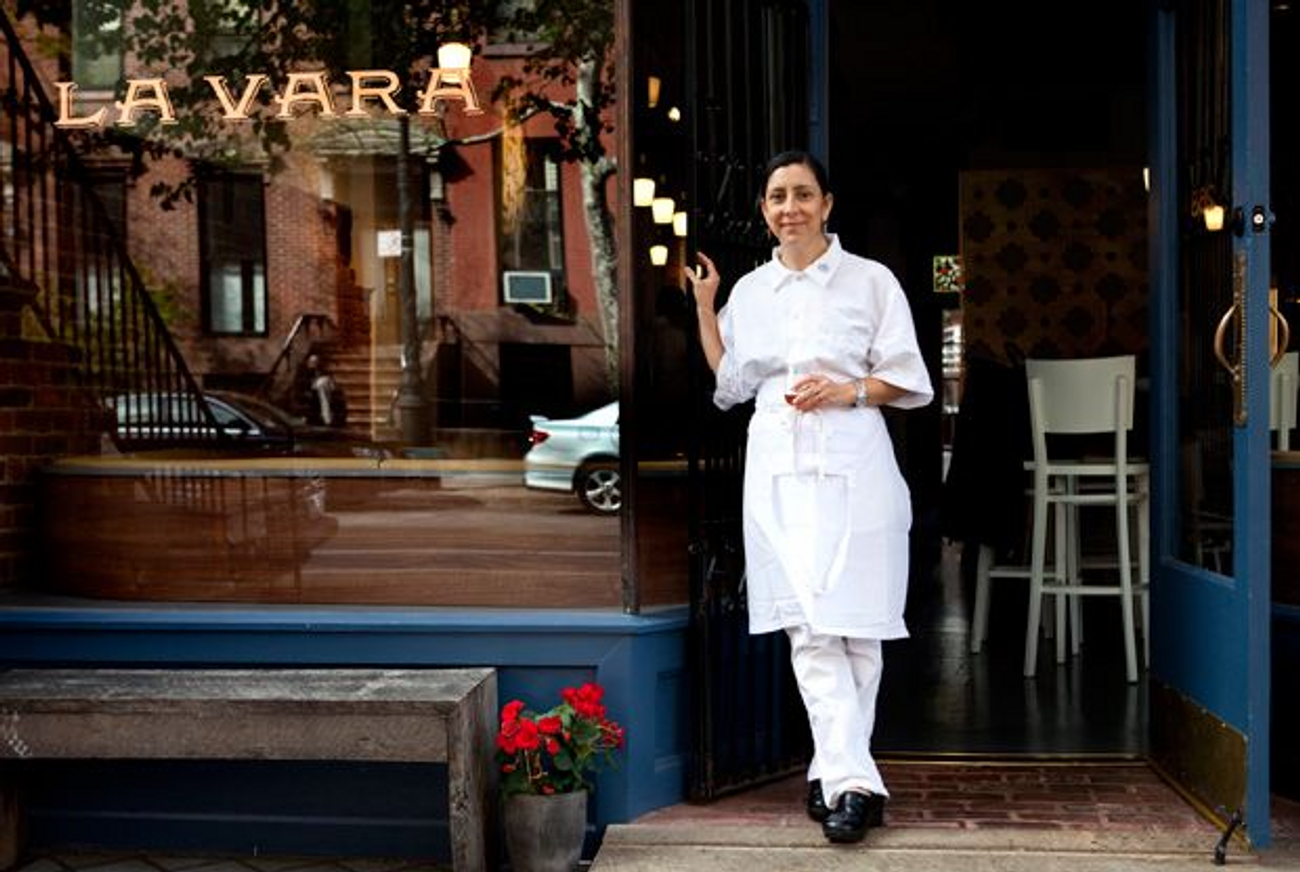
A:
(821, 339)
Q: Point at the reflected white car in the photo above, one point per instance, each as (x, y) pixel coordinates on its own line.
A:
(578, 455)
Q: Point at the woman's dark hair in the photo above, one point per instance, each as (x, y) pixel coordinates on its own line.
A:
(788, 158)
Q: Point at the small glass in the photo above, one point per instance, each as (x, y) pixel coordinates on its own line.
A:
(793, 373)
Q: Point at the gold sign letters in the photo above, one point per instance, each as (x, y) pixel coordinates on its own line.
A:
(302, 92)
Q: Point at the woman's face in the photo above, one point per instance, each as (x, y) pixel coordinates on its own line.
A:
(794, 205)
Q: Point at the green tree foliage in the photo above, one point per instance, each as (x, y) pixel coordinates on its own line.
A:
(186, 40)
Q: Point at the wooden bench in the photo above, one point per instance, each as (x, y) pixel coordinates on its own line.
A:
(394, 715)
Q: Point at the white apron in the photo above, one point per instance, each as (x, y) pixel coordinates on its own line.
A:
(826, 521)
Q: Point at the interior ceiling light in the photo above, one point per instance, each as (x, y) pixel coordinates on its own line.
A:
(679, 224)
(643, 191)
(663, 208)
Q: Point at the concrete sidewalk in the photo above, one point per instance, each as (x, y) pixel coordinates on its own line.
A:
(1082, 816)
(673, 847)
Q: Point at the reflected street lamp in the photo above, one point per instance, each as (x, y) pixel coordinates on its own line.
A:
(412, 403)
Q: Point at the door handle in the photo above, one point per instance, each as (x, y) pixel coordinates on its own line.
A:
(1236, 371)
(1220, 333)
(1281, 339)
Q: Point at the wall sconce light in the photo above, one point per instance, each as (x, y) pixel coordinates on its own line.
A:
(450, 80)
(1146, 179)
(1213, 217)
(679, 224)
(659, 255)
(662, 208)
(454, 56)
(674, 114)
(652, 91)
(1205, 207)
(643, 191)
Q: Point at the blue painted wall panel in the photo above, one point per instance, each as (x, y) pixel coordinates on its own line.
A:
(243, 807)
(340, 808)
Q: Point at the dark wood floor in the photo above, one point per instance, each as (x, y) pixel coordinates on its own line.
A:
(938, 698)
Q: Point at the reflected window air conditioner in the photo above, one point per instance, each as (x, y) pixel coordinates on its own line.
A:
(532, 288)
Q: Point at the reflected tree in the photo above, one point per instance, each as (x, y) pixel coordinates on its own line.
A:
(574, 59)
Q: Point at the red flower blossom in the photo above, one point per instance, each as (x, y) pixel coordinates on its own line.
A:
(556, 750)
(586, 700)
(508, 738)
(510, 711)
(527, 739)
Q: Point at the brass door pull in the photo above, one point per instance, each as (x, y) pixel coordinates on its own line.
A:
(1219, 333)
(1281, 339)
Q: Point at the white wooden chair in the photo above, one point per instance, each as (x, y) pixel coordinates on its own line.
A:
(1090, 396)
(988, 568)
(1282, 385)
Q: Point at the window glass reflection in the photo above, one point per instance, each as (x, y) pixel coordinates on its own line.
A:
(292, 233)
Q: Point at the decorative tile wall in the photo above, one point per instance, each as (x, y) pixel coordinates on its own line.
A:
(1055, 263)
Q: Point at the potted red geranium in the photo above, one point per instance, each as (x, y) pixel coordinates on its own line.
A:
(546, 759)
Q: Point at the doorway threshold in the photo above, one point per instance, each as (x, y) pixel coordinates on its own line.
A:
(960, 792)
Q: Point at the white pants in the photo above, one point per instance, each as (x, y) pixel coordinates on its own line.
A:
(838, 678)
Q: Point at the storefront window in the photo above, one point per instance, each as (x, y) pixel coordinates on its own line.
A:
(397, 353)
(531, 229)
(232, 250)
(228, 24)
(513, 25)
(97, 46)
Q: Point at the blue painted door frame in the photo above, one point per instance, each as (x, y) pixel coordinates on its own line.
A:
(1210, 631)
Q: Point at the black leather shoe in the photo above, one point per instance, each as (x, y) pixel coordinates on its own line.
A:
(818, 810)
(853, 816)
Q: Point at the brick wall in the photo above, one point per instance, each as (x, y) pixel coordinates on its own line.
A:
(301, 248)
(43, 416)
(302, 267)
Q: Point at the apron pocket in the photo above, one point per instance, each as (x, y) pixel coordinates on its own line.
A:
(812, 518)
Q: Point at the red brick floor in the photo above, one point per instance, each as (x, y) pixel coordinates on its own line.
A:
(964, 795)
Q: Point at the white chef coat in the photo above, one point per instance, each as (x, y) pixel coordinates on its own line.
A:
(826, 510)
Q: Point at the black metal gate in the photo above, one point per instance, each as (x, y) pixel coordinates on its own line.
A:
(747, 79)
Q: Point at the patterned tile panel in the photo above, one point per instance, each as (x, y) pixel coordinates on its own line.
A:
(1055, 263)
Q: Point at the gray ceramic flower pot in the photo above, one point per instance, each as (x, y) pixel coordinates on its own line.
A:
(545, 833)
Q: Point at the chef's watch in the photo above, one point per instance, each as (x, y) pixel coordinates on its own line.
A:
(860, 393)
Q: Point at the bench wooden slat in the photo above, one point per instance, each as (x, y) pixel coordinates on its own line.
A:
(438, 689)
(202, 734)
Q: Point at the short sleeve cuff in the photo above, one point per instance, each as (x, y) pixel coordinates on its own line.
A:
(729, 390)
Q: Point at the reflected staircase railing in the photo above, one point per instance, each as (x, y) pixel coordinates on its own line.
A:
(309, 329)
(58, 242)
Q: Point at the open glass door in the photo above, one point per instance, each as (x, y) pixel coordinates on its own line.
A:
(1213, 339)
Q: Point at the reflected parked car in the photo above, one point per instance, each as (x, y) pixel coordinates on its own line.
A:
(579, 455)
(147, 421)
